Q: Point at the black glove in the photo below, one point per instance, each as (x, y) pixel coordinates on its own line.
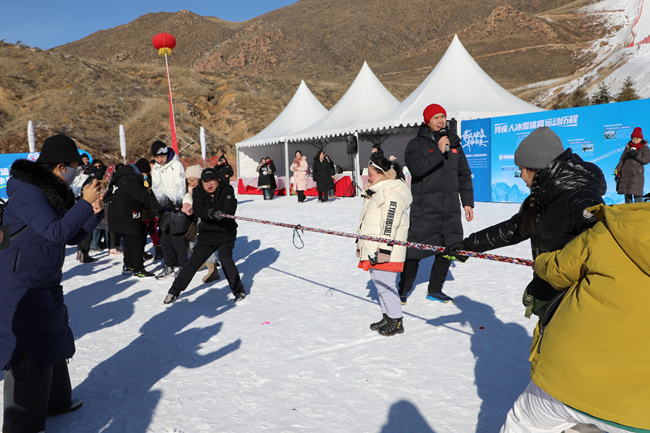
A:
(215, 214)
(451, 253)
(632, 153)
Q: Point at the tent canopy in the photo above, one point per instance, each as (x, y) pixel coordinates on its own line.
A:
(366, 99)
(303, 110)
(458, 84)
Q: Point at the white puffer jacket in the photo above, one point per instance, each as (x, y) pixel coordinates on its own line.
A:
(168, 183)
(385, 215)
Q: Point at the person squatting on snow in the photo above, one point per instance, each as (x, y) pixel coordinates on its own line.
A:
(562, 186)
(193, 176)
(300, 170)
(440, 172)
(630, 173)
(266, 179)
(384, 214)
(212, 198)
(35, 339)
(590, 354)
(322, 172)
(168, 185)
(126, 197)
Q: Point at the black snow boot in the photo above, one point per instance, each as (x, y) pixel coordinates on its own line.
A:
(394, 326)
(377, 325)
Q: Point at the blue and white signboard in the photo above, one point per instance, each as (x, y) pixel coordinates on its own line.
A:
(476, 145)
(6, 159)
(596, 133)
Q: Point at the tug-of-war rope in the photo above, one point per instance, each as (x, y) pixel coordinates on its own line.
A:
(297, 228)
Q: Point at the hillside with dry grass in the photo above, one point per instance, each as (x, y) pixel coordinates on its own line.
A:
(235, 78)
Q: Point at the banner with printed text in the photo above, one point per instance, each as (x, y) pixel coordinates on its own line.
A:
(476, 145)
(596, 133)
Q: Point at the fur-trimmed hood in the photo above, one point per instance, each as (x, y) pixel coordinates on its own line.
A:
(58, 194)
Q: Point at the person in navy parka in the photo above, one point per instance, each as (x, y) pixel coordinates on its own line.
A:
(35, 339)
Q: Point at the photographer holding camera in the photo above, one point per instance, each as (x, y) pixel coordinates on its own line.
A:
(35, 339)
(440, 173)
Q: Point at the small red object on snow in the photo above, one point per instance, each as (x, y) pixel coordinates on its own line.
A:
(266, 323)
(481, 327)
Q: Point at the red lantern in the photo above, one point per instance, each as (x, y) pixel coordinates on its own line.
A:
(164, 43)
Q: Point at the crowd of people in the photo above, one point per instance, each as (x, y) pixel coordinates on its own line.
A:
(588, 288)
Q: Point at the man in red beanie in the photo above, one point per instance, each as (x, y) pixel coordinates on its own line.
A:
(440, 173)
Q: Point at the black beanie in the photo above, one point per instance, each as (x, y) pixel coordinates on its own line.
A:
(143, 166)
(159, 148)
(59, 148)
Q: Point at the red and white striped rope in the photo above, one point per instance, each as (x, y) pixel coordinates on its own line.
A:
(426, 247)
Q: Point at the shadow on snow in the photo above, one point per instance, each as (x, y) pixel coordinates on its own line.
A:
(501, 351)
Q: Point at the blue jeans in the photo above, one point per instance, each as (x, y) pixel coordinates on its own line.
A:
(97, 235)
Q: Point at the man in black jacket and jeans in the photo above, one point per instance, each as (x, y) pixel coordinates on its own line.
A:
(212, 198)
(440, 173)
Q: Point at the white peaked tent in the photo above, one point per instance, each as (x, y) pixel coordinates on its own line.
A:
(458, 84)
(366, 99)
(303, 110)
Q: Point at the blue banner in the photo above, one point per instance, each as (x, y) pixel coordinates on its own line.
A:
(476, 145)
(597, 133)
(6, 159)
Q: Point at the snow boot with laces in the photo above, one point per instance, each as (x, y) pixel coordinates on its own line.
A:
(377, 325)
(394, 326)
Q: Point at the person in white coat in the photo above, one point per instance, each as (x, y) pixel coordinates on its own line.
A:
(300, 170)
(387, 200)
(168, 185)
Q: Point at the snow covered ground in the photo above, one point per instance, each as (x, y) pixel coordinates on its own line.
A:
(297, 354)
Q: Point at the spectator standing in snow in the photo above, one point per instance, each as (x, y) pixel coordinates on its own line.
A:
(322, 172)
(224, 169)
(193, 176)
(562, 186)
(440, 172)
(630, 173)
(384, 214)
(211, 199)
(331, 192)
(35, 339)
(168, 185)
(300, 170)
(590, 350)
(127, 197)
(266, 180)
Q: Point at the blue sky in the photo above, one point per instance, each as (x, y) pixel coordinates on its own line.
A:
(46, 24)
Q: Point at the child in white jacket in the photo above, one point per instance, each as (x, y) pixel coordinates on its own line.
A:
(384, 214)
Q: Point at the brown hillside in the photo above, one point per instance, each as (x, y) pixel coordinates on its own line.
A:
(235, 78)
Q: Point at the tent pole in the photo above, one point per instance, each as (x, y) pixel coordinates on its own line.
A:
(355, 178)
(287, 184)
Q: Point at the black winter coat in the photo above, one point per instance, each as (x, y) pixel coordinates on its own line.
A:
(225, 171)
(217, 231)
(567, 187)
(631, 169)
(437, 180)
(127, 196)
(323, 175)
(266, 179)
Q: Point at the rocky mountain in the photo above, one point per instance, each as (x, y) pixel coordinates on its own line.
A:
(235, 78)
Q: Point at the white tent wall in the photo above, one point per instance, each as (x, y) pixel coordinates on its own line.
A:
(249, 158)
